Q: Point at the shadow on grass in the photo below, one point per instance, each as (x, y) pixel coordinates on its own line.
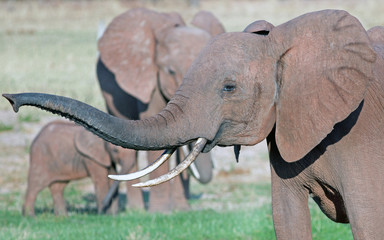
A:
(89, 206)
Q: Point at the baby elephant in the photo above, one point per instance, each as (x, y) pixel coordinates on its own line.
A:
(64, 151)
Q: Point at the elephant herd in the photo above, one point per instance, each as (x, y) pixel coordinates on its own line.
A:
(143, 57)
(313, 87)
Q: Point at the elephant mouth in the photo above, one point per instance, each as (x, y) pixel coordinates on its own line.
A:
(223, 137)
(196, 150)
(209, 146)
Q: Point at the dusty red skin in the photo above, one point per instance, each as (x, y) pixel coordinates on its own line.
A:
(313, 87)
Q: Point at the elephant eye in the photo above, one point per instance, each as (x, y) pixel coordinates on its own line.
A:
(170, 71)
(229, 87)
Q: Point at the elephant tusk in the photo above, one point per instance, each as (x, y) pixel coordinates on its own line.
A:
(150, 168)
(193, 167)
(199, 145)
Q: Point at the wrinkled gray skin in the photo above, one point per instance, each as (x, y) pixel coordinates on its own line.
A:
(136, 86)
(64, 151)
(313, 87)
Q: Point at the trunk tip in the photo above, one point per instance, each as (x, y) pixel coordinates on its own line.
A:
(11, 100)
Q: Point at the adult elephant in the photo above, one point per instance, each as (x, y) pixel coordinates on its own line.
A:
(143, 58)
(64, 151)
(313, 87)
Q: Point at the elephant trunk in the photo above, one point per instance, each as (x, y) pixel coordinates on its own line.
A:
(162, 131)
(167, 130)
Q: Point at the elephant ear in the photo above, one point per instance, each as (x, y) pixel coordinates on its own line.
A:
(168, 84)
(207, 21)
(260, 27)
(176, 18)
(376, 34)
(324, 66)
(127, 48)
(92, 147)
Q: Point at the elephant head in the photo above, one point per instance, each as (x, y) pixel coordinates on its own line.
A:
(301, 78)
(144, 49)
(104, 153)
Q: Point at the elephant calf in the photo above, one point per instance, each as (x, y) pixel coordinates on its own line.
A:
(64, 151)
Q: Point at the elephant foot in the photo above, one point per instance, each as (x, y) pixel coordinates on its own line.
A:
(135, 205)
(28, 211)
(181, 205)
(169, 206)
(182, 208)
(61, 212)
(160, 199)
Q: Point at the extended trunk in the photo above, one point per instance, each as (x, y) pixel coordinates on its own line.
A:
(161, 131)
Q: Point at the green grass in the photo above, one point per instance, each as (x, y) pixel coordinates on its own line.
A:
(28, 117)
(57, 62)
(253, 222)
(206, 224)
(5, 127)
(138, 225)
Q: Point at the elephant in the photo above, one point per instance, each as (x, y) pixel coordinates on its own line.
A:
(64, 151)
(143, 58)
(313, 87)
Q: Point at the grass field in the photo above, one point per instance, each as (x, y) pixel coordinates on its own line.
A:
(50, 46)
(243, 223)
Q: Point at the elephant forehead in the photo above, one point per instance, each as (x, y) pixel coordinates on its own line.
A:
(225, 56)
(234, 43)
(230, 51)
(213, 72)
(185, 41)
(184, 33)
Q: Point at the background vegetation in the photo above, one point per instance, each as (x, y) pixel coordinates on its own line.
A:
(50, 46)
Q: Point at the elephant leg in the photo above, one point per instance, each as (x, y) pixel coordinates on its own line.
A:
(291, 216)
(167, 196)
(36, 183)
(57, 192)
(135, 198)
(99, 176)
(101, 190)
(114, 207)
(159, 196)
(365, 207)
(180, 192)
(180, 187)
(30, 199)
